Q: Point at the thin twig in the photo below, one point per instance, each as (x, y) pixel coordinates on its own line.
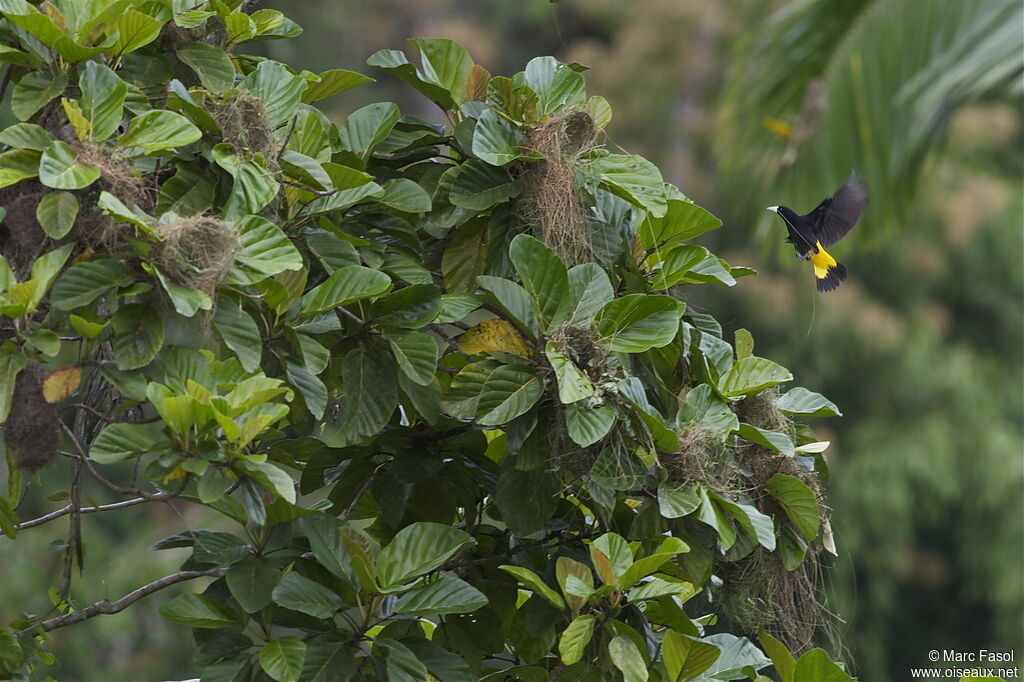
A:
(63, 511)
(105, 607)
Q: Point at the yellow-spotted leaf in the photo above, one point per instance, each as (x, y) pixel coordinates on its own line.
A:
(494, 336)
(61, 383)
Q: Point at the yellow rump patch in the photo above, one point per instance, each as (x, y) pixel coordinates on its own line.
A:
(822, 262)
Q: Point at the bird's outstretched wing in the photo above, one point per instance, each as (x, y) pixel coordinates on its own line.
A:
(836, 215)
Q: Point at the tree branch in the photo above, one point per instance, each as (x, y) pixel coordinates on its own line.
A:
(105, 607)
(159, 497)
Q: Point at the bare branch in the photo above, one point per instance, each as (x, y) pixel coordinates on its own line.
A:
(159, 497)
(105, 607)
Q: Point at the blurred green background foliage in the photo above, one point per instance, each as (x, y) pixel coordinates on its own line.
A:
(746, 104)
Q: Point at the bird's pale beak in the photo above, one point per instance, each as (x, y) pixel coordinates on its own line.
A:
(773, 208)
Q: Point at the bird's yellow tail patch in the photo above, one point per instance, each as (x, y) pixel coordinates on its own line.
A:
(828, 273)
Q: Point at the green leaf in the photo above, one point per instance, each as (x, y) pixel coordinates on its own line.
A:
(638, 322)
(367, 127)
(282, 658)
(120, 441)
(328, 659)
(575, 638)
(417, 549)
(782, 659)
(254, 184)
(442, 664)
(157, 130)
(515, 99)
(773, 440)
(801, 401)
(330, 83)
(798, 501)
(265, 252)
(737, 656)
(34, 91)
(415, 353)
(816, 665)
(402, 664)
(587, 425)
(56, 213)
(712, 514)
(526, 499)
(187, 301)
(26, 136)
(11, 362)
(557, 85)
(135, 30)
(83, 283)
(410, 307)
(102, 99)
(573, 385)
(371, 394)
(447, 594)
(446, 63)
(402, 194)
(682, 221)
(507, 392)
(744, 344)
(271, 478)
(17, 165)
(11, 654)
(252, 583)
(346, 285)
(676, 502)
(576, 581)
(493, 140)
(685, 657)
(544, 277)
(612, 557)
(307, 596)
(211, 64)
(399, 65)
(758, 526)
(533, 582)
(589, 291)
(751, 375)
(479, 186)
(198, 611)
(279, 88)
(644, 566)
(514, 300)
(138, 335)
(60, 168)
(658, 588)
(704, 407)
(635, 179)
(239, 332)
(324, 533)
(627, 658)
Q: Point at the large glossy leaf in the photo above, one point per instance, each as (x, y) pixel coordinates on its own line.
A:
(239, 332)
(685, 657)
(532, 581)
(135, 30)
(674, 501)
(587, 425)
(367, 127)
(514, 300)
(798, 501)
(480, 186)
(402, 194)
(102, 99)
(279, 88)
(573, 385)
(138, 335)
(17, 165)
(589, 291)
(350, 186)
(56, 213)
(328, 659)
(252, 583)
(83, 283)
(60, 168)
(627, 659)
(331, 82)
(157, 130)
(782, 659)
(265, 251)
(26, 136)
(773, 440)
(417, 549)
(737, 654)
(399, 65)
(575, 638)
(197, 611)
(298, 593)
(557, 85)
(211, 64)
(370, 395)
(494, 141)
(633, 178)
(758, 526)
(120, 441)
(807, 403)
(544, 278)
(638, 322)
(493, 394)
(346, 285)
(816, 665)
(441, 663)
(410, 307)
(526, 499)
(751, 375)
(416, 354)
(270, 477)
(447, 594)
(34, 91)
(683, 220)
(282, 658)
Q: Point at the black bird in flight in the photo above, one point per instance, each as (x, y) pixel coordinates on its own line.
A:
(824, 226)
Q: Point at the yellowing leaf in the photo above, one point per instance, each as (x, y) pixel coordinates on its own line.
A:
(61, 383)
(78, 120)
(177, 474)
(494, 336)
(777, 127)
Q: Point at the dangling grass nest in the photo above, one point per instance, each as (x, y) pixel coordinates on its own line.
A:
(24, 239)
(197, 252)
(761, 411)
(116, 175)
(758, 592)
(550, 201)
(242, 119)
(32, 430)
(701, 458)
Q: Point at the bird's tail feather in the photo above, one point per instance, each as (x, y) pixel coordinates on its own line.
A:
(833, 276)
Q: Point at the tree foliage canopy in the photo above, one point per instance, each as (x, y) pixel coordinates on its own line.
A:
(440, 380)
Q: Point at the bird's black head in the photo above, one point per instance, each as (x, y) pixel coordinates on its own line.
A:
(798, 229)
